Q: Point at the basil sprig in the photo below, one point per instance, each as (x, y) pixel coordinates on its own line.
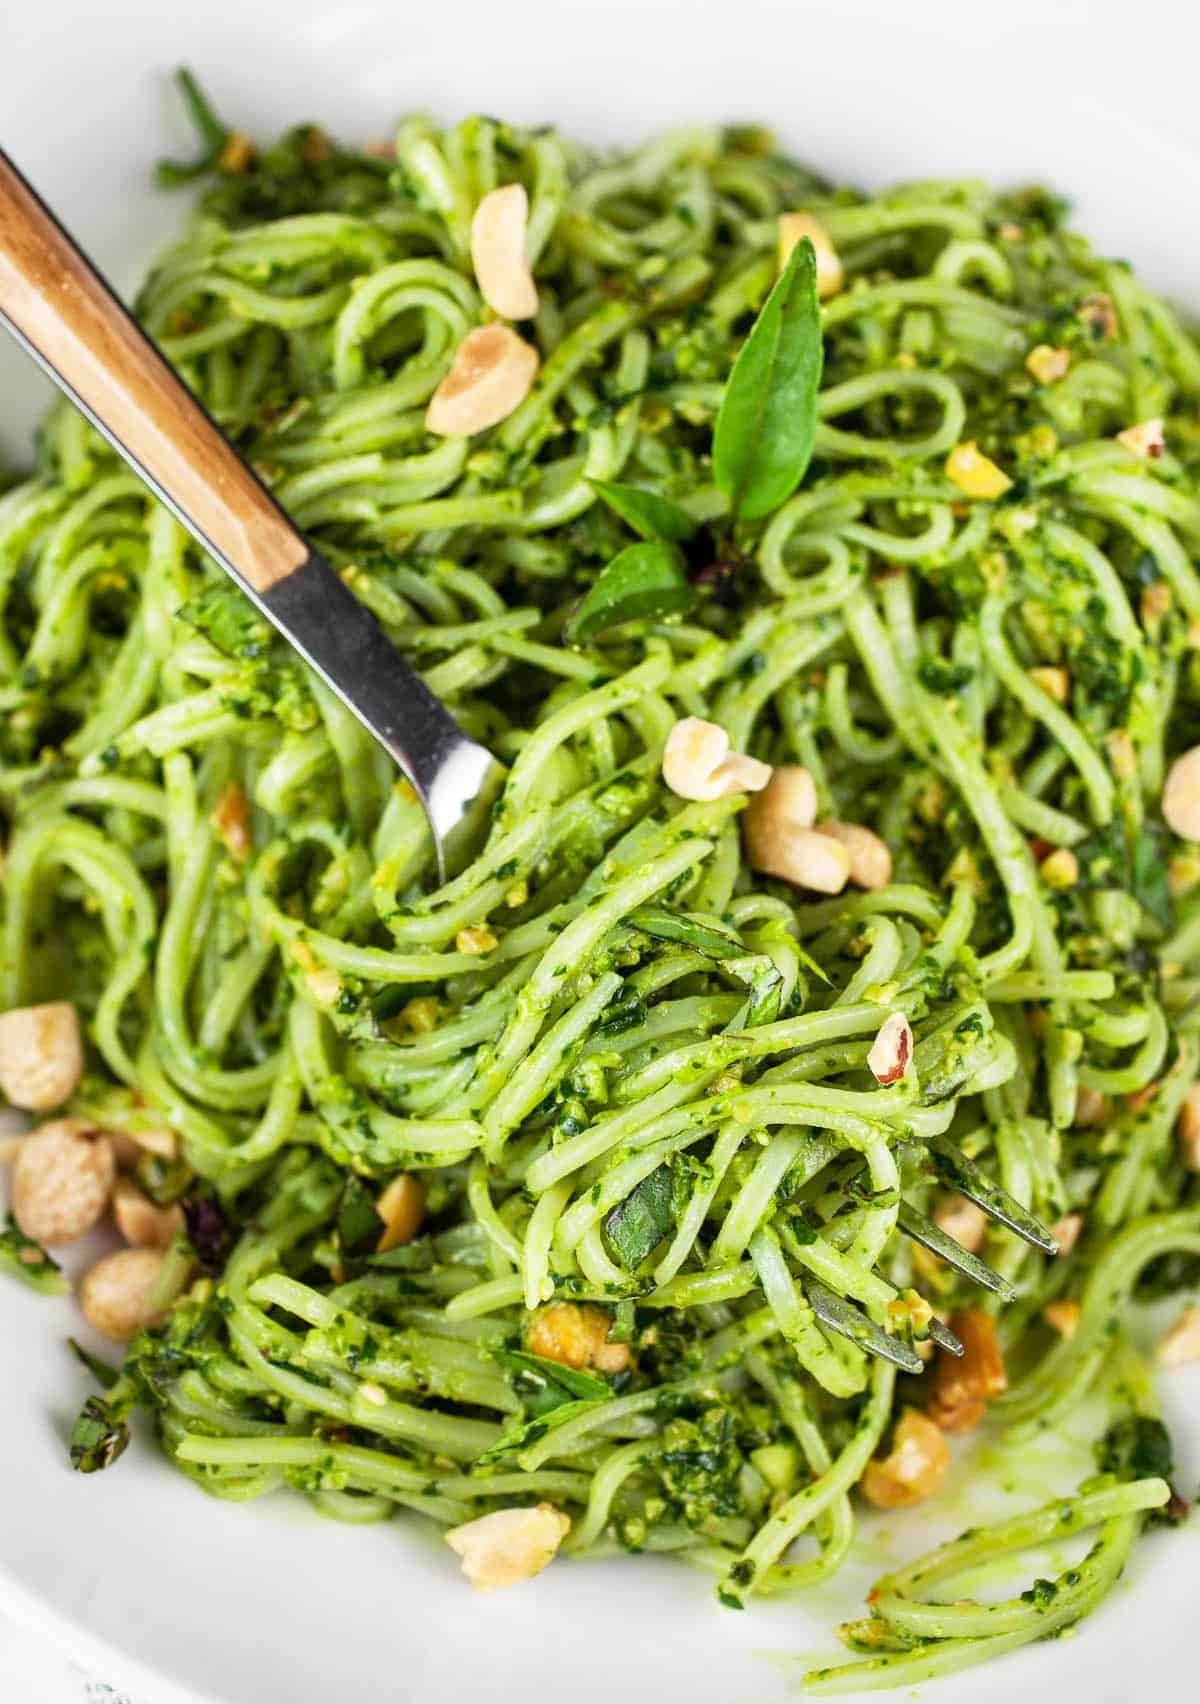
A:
(650, 515)
(766, 426)
(643, 582)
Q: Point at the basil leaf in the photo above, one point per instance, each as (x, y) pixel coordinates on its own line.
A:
(638, 1224)
(532, 1430)
(644, 580)
(766, 425)
(678, 926)
(647, 513)
(210, 130)
(29, 1262)
(104, 1375)
(1148, 875)
(544, 1385)
(759, 973)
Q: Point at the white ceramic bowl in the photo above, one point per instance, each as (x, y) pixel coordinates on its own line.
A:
(134, 1571)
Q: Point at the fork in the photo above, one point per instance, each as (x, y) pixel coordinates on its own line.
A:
(64, 314)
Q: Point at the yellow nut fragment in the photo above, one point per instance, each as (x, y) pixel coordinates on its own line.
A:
(1062, 1316)
(1156, 601)
(793, 226)
(1182, 1341)
(491, 375)
(231, 819)
(975, 474)
(698, 764)
(891, 1050)
(962, 1220)
(1055, 683)
(116, 1294)
(1060, 869)
(508, 1545)
(498, 234)
(62, 1178)
(1046, 364)
(475, 938)
(402, 1209)
(915, 1468)
(1067, 1231)
(870, 859)
(1187, 1130)
(323, 984)
(41, 1055)
(140, 1222)
(1180, 797)
(576, 1336)
(1146, 439)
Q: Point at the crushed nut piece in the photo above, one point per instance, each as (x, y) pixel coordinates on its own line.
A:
(962, 1386)
(975, 474)
(1046, 364)
(891, 1050)
(509, 1544)
(1145, 439)
(915, 1467)
(576, 1336)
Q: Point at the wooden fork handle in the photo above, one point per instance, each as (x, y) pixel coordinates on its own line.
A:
(72, 323)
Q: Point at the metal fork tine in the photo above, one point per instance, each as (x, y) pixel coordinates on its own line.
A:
(953, 1168)
(943, 1335)
(848, 1321)
(925, 1232)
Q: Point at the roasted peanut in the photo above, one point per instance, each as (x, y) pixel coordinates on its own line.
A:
(698, 764)
(41, 1055)
(1181, 796)
(508, 1545)
(62, 1179)
(915, 1467)
(498, 235)
(891, 1050)
(402, 1209)
(116, 1293)
(961, 1386)
(491, 375)
(140, 1222)
(870, 859)
(576, 1337)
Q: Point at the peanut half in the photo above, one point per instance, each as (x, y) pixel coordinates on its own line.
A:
(498, 234)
